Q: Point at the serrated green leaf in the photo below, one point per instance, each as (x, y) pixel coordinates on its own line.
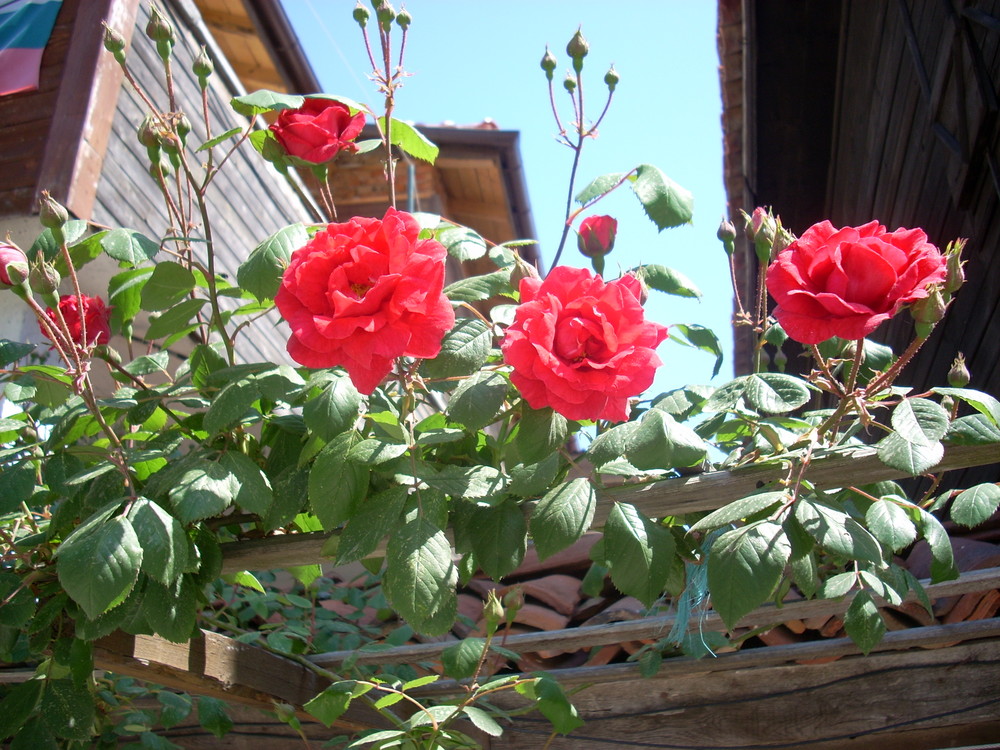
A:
(562, 516)
(254, 494)
(470, 482)
(701, 338)
(476, 288)
(147, 364)
(213, 142)
(163, 541)
(18, 704)
(975, 429)
(836, 531)
(863, 623)
(420, 577)
(464, 349)
(11, 351)
(262, 101)
(463, 243)
(483, 721)
(129, 246)
(476, 402)
(744, 567)
(534, 479)
(920, 421)
(539, 433)
(175, 319)
(976, 504)
(203, 490)
(739, 510)
(611, 444)
(260, 274)
(213, 717)
(230, 405)
(666, 203)
(984, 403)
(890, 524)
(943, 566)
(412, 141)
(168, 284)
(67, 710)
(499, 538)
(335, 409)
(336, 485)
(374, 519)
(98, 565)
(125, 295)
(374, 451)
(331, 704)
(552, 702)
(639, 553)
(461, 659)
(45, 244)
(598, 187)
(172, 610)
(667, 280)
(896, 451)
(661, 442)
(776, 393)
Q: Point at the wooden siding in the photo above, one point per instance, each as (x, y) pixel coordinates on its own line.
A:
(248, 201)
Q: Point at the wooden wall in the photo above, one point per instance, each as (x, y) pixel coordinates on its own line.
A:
(248, 201)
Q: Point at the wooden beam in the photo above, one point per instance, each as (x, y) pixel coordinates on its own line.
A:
(215, 665)
(585, 636)
(701, 492)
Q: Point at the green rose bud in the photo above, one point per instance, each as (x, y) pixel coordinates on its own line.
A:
(51, 213)
(548, 63)
(570, 83)
(577, 49)
(183, 126)
(158, 28)
(115, 44)
(203, 67)
(360, 14)
(611, 78)
(385, 14)
(403, 19)
(956, 271)
(727, 235)
(492, 612)
(958, 375)
(930, 309)
(43, 277)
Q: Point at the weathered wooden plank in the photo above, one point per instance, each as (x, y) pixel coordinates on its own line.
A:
(886, 701)
(585, 636)
(691, 494)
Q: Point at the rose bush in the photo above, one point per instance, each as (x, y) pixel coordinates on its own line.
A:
(845, 282)
(580, 345)
(93, 320)
(362, 293)
(318, 130)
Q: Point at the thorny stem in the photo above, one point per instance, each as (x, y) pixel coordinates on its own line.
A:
(555, 111)
(761, 316)
(886, 379)
(824, 366)
(577, 150)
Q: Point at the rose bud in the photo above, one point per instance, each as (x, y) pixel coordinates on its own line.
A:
(548, 63)
(115, 44)
(596, 236)
(727, 235)
(13, 265)
(404, 19)
(956, 271)
(51, 213)
(577, 49)
(569, 83)
(958, 375)
(203, 67)
(611, 78)
(318, 130)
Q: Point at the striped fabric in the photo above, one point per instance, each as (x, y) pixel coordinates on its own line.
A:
(25, 26)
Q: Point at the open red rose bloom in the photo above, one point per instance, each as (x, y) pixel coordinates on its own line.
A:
(94, 315)
(580, 345)
(362, 293)
(318, 130)
(845, 282)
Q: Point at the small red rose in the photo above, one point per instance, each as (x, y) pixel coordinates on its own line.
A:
(363, 293)
(845, 282)
(596, 236)
(581, 345)
(318, 130)
(94, 316)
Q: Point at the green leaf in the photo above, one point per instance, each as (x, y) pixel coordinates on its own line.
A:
(336, 485)
(534, 479)
(335, 409)
(175, 319)
(213, 142)
(984, 403)
(666, 203)
(476, 402)
(147, 364)
(169, 283)
(470, 482)
(552, 702)
(17, 484)
(611, 444)
(661, 442)
(18, 704)
(332, 703)
(943, 566)
(727, 396)
(476, 288)
(739, 510)
(260, 274)
(667, 280)
(896, 451)
(863, 623)
(775, 392)
(598, 187)
(919, 421)
(231, 404)
(176, 708)
(163, 541)
(204, 490)
(976, 504)
(254, 494)
(701, 338)
(410, 140)
(213, 717)
(18, 599)
(483, 721)
(540, 432)
(263, 101)
(67, 710)
(129, 246)
(374, 451)
(890, 524)
(463, 243)
(639, 553)
(98, 565)
(172, 610)
(744, 567)
(464, 349)
(562, 516)
(11, 351)
(125, 295)
(499, 538)
(73, 231)
(975, 429)
(461, 659)
(420, 577)
(373, 520)
(836, 531)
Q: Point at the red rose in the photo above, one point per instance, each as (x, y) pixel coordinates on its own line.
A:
(845, 282)
(318, 130)
(362, 293)
(580, 345)
(95, 315)
(11, 256)
(596, 235)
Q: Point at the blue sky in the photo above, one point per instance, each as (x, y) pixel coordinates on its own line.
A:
(473, 60)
